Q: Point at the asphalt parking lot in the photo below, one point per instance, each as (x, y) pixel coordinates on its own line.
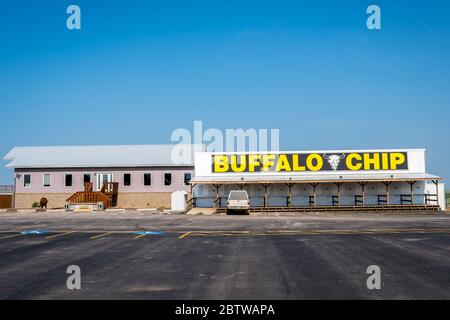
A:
(152, 256)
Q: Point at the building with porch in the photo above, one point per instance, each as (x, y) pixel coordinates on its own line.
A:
(324, 180)
(131, 176)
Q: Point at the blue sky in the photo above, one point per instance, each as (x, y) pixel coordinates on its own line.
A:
(137, 70)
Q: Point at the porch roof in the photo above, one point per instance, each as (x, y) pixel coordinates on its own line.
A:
(313, 178)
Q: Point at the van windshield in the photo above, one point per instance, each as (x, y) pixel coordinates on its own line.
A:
(237, 195)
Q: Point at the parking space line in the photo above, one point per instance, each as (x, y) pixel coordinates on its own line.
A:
(231, 233)
(12, 236)
(219, 233)
(185, 235)
(60, 235)
(102, 235)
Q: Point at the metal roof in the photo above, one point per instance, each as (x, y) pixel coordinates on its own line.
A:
(99, 156)
(310, 178)
(315, 151)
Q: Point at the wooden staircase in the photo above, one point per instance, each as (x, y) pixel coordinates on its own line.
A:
(107, 195)
(111, 190)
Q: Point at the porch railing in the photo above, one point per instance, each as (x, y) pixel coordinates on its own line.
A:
(90, 197)
(107, 195)
(381, 200)
(190, 203)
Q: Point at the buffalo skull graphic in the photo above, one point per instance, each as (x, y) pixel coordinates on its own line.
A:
(334, 160)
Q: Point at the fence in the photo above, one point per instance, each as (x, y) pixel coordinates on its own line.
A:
(5, 201)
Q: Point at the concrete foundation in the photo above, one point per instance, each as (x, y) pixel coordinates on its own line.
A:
(124, 200)
(55, 200)
(144, 200)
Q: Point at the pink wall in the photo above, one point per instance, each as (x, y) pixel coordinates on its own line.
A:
(137, 179)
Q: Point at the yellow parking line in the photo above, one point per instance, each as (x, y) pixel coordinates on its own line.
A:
(102, 235)
(59, 235)
(13, 236)
(140, 236)
(184, 235)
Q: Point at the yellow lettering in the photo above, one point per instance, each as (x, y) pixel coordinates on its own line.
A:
(385, 161)
(283, 163)
(242, 162)
(374, 161)
(221, 163)
(267, 161)
(253, 161)
(353, 161)
(397, 159)
(295, 165)
(318, 160)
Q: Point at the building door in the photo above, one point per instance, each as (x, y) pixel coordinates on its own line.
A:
(102, 178)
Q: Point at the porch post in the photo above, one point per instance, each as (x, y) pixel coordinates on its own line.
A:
(387, 184)
(265, 186)
(290, 185)
(217, 186)
(363, 191)
(411, 184)
(314, 185)
(241, 185)
(436, 183)
(339, 184)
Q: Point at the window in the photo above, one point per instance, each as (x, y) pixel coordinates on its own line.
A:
(238, 195)
(147, 179)
(68, 181)
(127, 179)
(47, 179)
(87, 178)
(187, 178)
(167, 179)
(27, 180)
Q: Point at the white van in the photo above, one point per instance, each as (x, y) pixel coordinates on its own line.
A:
(238, 202)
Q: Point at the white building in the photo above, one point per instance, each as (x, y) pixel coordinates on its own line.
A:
(319, 180)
